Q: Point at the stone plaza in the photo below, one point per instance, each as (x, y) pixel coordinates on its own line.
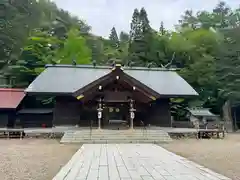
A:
(132, 162)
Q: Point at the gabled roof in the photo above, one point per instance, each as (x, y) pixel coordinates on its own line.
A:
(162, 81)
(202, 112)
(10, 98)
(69, 79)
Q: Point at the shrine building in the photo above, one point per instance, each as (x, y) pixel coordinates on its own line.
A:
(114, 97)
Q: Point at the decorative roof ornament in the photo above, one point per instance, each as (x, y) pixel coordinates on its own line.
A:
(94, 63)
(168, 65)
(149, 65)
(113, 63)
(80, 97)
(130, 64)
(74, 62)
(117, 64)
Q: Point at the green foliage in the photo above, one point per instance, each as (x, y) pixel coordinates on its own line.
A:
(74, 48)
(17, 19)
(124, 37)
(135, 31)
(31, 32)
(205, 47)
(97, 47)
(141, 39)
(228, 69)
(34, 57)
(162, 30)
(179, 108)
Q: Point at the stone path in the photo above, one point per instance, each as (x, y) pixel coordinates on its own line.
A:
(132, 162)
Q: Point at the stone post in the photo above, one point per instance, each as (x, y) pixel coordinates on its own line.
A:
(132, 114)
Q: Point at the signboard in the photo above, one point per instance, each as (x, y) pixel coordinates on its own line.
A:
(99, 115)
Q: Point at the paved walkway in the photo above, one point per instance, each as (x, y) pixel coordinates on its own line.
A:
(132, 162)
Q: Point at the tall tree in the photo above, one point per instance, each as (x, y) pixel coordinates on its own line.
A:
(147, 51)
(97, 47)
(162, 30)
(189, 20)
(229, 64)
(144, 22)
(135, 34)
(113, 37)
(140, 36)
(135, 31)
(221, 14)
(124, 37)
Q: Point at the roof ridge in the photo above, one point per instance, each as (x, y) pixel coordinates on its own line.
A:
(109, 67)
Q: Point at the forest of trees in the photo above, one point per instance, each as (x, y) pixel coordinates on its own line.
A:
(204, 47)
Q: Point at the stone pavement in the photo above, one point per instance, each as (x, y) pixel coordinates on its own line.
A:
(132, 162)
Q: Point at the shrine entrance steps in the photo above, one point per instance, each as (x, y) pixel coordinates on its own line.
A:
(115, 136)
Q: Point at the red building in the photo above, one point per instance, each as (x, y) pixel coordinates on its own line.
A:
(10, 102)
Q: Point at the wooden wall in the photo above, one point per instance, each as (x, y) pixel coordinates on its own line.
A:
(159, 113)
(35, 120)
(7, 118)
(3, 119)
(69, 111)
(66, 111)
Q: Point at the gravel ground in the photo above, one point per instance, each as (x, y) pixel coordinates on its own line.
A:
(33, 159)
(38, 159)
(222, 156)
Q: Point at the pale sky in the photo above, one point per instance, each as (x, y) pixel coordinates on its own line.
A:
(102, 15)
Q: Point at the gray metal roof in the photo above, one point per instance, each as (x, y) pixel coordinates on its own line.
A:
(202, 112)
(68, 79)
(65, 79)
(163, 82)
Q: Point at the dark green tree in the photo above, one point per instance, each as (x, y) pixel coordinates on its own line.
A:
(189, 20)
(221, 15)
(39, 50)
(162, 30)
(113, 37)
(124, 37)
(20, 20)
(140, 39)
(17, 19)
(97, 47)
(228, 61)
(135, 31)
(74, 48)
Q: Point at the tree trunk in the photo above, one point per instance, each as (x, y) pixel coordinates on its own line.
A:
(227, 116)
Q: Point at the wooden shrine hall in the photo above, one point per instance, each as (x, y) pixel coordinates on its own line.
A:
(113, 97)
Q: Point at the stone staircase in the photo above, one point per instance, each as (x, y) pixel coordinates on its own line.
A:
(116, 136)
